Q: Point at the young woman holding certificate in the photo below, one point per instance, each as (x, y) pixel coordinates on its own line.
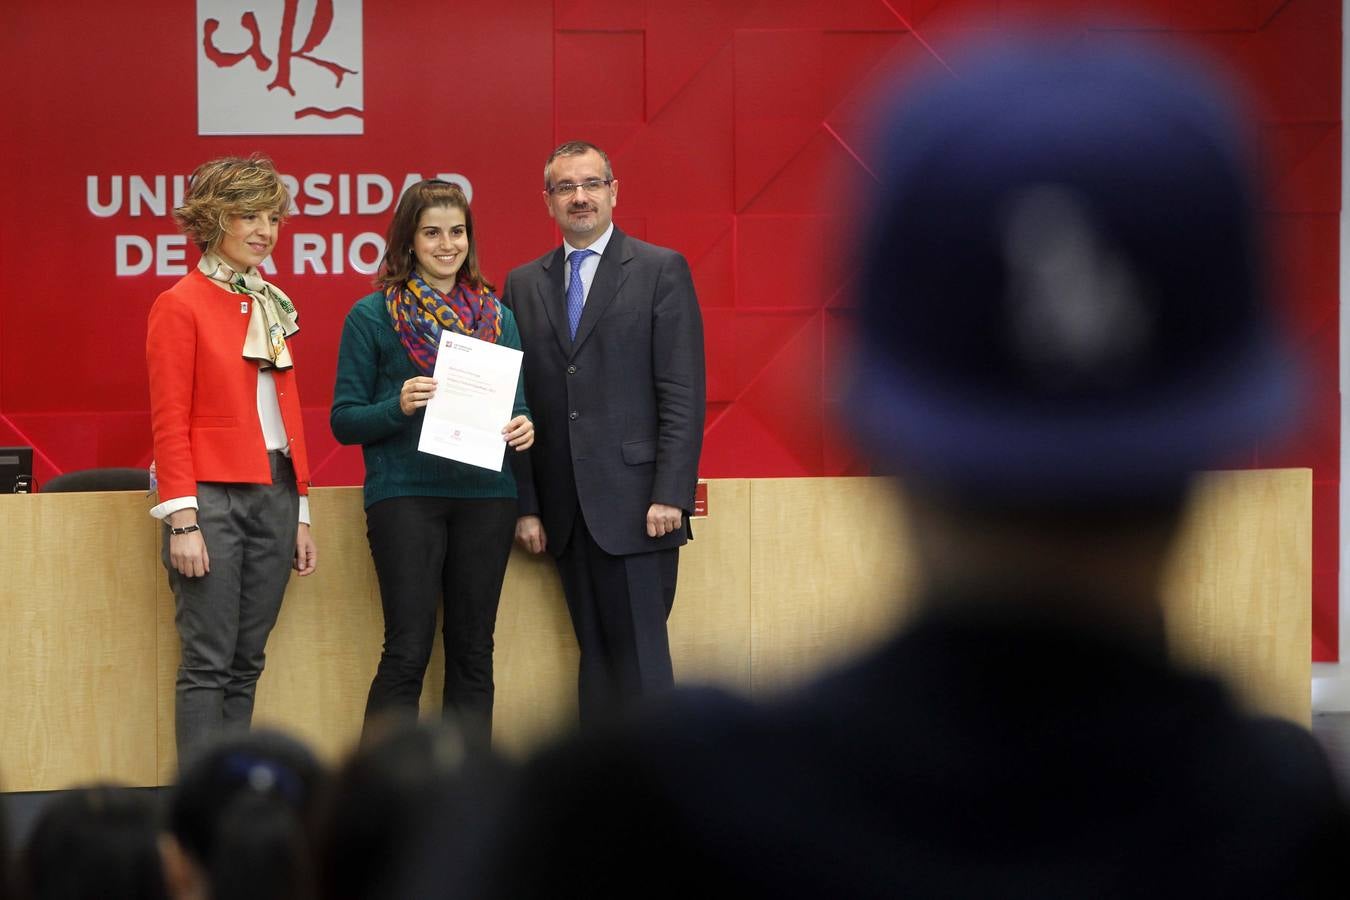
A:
(440, 531)
(229, 445)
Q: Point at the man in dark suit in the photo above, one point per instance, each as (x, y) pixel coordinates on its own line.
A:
(613, 343)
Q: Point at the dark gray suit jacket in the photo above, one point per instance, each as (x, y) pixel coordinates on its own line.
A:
(618, 412)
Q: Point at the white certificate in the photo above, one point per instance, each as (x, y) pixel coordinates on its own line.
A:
(475, 394)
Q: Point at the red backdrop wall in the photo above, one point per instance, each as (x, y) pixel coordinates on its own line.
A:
(736, 129)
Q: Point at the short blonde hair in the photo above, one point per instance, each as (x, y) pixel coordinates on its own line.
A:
(229, 186)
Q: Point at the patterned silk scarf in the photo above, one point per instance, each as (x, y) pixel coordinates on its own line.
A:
(420, 312)
(272, 316)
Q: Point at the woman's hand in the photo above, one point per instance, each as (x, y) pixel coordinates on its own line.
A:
(519, 433)
(306, 553)
(187, 552)
(415, 394)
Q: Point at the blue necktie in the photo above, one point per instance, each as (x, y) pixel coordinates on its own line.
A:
(576, 291)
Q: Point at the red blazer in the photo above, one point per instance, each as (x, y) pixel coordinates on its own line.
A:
(204, 394)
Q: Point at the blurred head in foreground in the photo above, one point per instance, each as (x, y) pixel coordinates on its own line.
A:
(96, 841)
(242, 821)
(1062, 303)
(384, 800)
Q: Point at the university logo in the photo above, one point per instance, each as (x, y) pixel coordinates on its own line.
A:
(279, 67)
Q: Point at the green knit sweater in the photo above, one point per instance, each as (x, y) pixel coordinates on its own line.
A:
(372, 366)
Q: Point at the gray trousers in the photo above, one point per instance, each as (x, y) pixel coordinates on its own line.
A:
(225, 616)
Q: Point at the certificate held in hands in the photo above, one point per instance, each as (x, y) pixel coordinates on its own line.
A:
(475, 394)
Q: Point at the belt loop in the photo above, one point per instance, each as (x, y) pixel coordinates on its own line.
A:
(279, 464)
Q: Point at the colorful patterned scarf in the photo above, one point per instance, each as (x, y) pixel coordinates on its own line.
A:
(420, 312)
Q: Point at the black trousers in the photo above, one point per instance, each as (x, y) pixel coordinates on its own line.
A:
(430, 551)
(619, 606)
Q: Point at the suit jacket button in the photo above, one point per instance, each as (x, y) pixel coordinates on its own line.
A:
(572, 414)
(571, 370)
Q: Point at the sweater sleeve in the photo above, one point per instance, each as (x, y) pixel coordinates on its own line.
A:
(170, 357)
(522, 463)
(358, 416)
(511, 338)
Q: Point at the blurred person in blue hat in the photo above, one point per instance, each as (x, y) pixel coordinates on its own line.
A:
(1062, 317)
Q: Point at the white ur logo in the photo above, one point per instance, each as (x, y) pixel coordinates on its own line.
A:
(279, 67)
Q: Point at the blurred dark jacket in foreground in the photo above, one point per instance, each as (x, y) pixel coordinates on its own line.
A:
(1062, 316)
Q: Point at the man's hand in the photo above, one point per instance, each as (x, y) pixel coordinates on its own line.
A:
(306, 553)
(530, 534)
(662, 519)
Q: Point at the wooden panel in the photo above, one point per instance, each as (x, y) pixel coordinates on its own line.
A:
(323, 652)
(77, 640)
(536, 656)
(829, 565)
(1238, 597)
(786, 576)
(166, 667)
(710, 624)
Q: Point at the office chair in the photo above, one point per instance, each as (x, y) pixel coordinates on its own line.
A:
(113, 479)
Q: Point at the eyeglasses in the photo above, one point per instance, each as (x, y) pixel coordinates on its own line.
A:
(590, 186)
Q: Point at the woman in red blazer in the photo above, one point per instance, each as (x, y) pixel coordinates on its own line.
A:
(229, 445)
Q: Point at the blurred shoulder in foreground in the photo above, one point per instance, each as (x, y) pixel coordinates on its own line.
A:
(1062, 317)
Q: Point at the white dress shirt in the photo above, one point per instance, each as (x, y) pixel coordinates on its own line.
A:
(588, 265)
(274, 438)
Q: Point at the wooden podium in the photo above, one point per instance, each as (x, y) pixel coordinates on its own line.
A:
(785, 576)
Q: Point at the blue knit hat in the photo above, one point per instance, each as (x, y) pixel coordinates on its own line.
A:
(1061, 283)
